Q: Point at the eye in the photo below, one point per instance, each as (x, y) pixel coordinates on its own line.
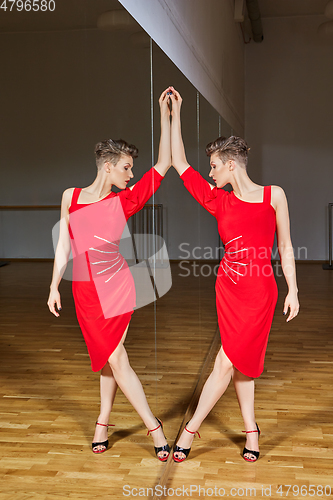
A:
(126, 168)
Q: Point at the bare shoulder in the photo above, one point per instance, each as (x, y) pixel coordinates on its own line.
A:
(278, 196)
(67, 197)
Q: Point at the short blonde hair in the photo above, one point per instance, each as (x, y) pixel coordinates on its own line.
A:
(112, 151)
(230, 148)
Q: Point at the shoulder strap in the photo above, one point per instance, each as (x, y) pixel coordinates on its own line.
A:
(75, 196)
(267, 195)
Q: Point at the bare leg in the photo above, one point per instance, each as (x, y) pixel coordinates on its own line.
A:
(108, 389)
(215, 386)
(244, 387)
(130, 385)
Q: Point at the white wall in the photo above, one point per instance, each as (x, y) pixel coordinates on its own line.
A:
(204, 42)
(289, 124)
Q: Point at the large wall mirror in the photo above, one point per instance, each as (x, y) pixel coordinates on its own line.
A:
(186, 316)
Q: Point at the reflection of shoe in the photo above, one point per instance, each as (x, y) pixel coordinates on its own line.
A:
(158, 449)
(105, 444)
(255, 453)
(179, 449)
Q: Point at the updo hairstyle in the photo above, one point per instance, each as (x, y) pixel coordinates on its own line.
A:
(231, 148)
(112, 151)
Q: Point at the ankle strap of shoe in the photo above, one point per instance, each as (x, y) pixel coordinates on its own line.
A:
(105, 425)
(191, 432)
(248, 432)
(152, 430)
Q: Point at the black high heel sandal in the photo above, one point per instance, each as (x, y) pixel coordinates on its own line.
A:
(103, 443)
(157, 449)
(252, 452)
(179, 449)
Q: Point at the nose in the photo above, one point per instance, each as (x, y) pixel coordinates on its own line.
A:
(131, 174)
(211, 173)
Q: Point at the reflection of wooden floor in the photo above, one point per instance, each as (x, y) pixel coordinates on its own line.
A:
(49, 396)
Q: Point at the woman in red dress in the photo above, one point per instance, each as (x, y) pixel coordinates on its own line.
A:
(246, 291)
(92, 222)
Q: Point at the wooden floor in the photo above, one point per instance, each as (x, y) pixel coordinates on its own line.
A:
(49, 398)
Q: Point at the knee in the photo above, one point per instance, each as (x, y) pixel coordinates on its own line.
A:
(223, 365)
(114, 363)
(118, 359)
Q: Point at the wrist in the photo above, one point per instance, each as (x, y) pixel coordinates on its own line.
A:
(161, 165)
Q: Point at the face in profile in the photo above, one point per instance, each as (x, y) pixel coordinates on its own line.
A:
(219, 171)
(121, 173)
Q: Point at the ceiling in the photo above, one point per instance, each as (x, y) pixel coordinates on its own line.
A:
(287, 8)
(80, 14)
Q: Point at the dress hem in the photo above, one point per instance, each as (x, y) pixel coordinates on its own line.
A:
(233, 364)
(99, 369)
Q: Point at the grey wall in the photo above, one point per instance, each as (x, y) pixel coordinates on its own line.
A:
(62, 92)
(187, 221)
(65, 91)
(289, 124)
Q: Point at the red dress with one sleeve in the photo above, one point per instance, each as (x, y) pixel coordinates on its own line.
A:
(246, 290)
(103, 286)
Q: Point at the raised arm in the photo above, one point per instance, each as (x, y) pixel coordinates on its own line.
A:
(286, 251)
(164, 153)
(134, 198)
(178, 156)
(62, 253)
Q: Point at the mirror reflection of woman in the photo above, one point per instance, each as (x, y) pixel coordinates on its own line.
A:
(92, 221)
(246, 291)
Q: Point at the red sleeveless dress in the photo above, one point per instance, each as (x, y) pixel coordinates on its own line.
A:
(103, 286)
(246, 290)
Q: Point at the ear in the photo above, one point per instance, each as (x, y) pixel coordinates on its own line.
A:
(231, 165)
(106, 166)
